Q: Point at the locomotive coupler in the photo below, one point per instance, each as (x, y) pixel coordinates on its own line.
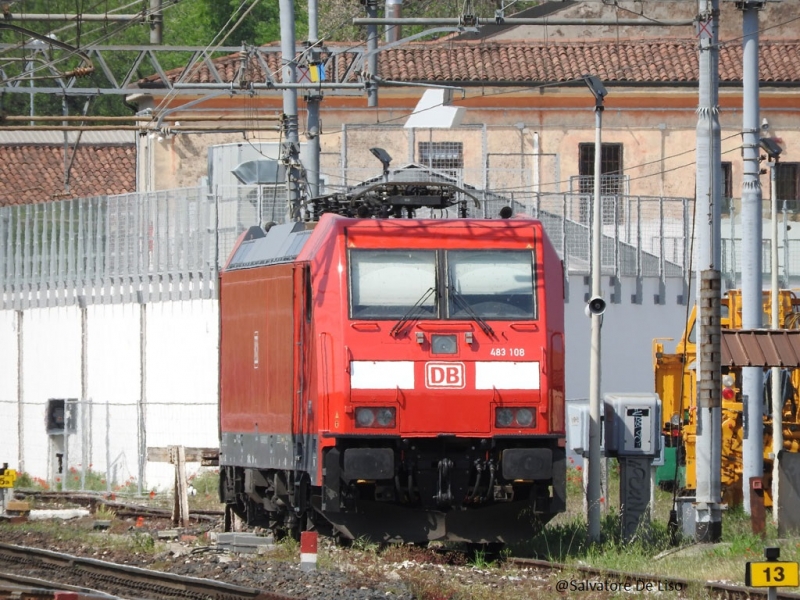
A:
(444, 496)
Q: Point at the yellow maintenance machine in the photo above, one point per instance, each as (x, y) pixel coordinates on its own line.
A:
(675, 383)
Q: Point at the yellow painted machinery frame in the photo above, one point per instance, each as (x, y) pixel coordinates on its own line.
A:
(675, 384)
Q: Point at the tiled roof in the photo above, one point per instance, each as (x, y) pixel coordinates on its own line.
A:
(496, 62)
(35, 173)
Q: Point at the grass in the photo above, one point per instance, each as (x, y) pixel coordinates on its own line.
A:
(565, 540)
(104, 513)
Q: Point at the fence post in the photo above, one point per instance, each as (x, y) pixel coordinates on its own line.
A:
(180, 507)
(140, 407)
(20, 393)
(86, 435)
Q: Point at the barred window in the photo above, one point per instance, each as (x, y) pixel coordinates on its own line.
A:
(441, 155)
(611, 179)
(727, 188)
(788, 183)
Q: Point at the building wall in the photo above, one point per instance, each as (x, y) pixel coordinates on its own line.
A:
(778, 16)
(656, 126)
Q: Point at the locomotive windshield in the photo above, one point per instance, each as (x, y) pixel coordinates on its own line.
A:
(486, 284)
(386, 284)
(490, 284)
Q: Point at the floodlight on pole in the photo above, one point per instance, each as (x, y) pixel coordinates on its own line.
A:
(773, 150)
(597, 88)
(593, 491)
(383, 156)
(771, 147)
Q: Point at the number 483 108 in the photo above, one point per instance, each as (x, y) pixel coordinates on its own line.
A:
(507, 352)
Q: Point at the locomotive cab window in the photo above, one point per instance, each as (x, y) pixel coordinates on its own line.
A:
(387, 284)
(490, 284)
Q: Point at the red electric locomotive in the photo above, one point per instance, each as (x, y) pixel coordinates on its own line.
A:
(396, 379)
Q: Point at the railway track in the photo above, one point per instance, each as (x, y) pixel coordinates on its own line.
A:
(122, 509)
(608, 580)
(119, 580)
(18, 587)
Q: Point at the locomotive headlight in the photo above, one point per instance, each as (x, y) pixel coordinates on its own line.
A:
(376, 417)
(503, 417)
(524, 417)
(675, 420)
(515, 417)
(727, 381)
(385, 417)
(443, 344)
(364, 417)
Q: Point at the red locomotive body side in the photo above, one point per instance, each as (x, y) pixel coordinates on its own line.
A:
(257, 351)
(395, 378)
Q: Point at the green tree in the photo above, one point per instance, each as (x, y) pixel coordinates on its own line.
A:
(203, 23)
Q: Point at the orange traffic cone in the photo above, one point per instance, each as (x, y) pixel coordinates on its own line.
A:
(139, 521)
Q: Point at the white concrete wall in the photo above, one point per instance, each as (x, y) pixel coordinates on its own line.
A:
(182, 382)
(9, 440)
(626, 338)
(181, 386)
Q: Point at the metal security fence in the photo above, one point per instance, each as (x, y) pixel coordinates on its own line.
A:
(160, 246)
(143, 247)
(169, 245)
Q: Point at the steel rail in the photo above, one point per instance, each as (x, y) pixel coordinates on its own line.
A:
(29, 588)
(155, 583)
(726, 590)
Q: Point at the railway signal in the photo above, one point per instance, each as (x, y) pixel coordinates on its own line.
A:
(7, 477)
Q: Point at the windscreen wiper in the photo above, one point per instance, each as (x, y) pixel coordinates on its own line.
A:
(459, 299)
(411, 315)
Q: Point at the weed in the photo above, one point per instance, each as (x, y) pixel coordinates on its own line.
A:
(104, 513)
(206, 482)
(363, 544)
(24, 481)
(141, 543)
(286, 550)
(480, 561)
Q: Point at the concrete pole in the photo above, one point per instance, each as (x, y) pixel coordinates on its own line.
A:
(595, 402)
(708, 195)
(752, 300)
(777, 399)
(156, 22)
(313, 99)
(291, 143)
(141, 408)
(20, 393)
(372, 47)
(83, 406)
(392, 11)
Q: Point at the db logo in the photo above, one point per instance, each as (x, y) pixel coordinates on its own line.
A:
(444, 375)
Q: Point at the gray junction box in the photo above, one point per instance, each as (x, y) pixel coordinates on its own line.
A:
(578, 420)
(632, 425)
